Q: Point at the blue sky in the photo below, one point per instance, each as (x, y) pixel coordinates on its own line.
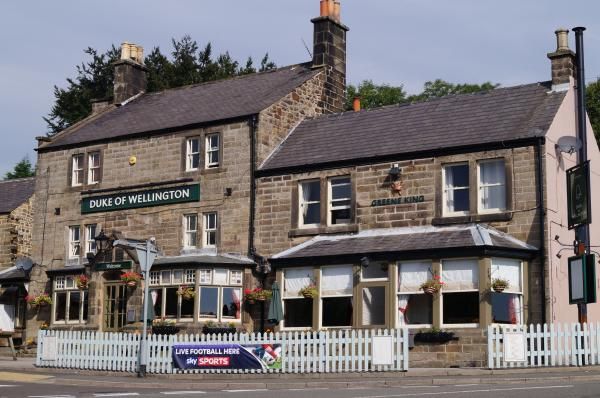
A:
(400, 42)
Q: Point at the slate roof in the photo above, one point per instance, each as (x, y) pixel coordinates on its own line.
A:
(503, 114)
(13, 274)
(413, 239)
(188, 105)
(13, 193)
(203, 260)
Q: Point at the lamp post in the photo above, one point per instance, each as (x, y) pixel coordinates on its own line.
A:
(146, 253)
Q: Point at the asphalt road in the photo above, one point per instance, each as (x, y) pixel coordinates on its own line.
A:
(53, 387)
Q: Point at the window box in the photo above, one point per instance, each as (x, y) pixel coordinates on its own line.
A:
(434, 337)
(165, 329)
(218, 330)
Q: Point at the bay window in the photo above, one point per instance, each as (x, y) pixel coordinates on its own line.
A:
(220, 294)
(163, 293)
(460, 294)
(492, 185)
(415, 307)
(310, 203)
(297, 310)
(70, 305)
(507, 307)
(336, 295)
(456, 189)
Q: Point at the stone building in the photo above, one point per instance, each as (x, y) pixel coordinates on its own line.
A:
(16, 204)
(365, 207)
(176, 165)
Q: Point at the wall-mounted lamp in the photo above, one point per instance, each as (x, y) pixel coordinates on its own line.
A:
(364, 261)
(394, 172)
(227, 191)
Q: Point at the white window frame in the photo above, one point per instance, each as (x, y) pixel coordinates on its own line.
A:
(77, 169)
(207, 232)
(90, 243)
(220, 287)
(190, 154)
(445, 210)
(375, 264)
(91, 168)
(311, 275)
(74, 243)
(324, 296)
(188, 232)
(481, 186)
(330, 205)
(411, 293)
(61, 285)
(519, 293)
(302, 203)
(210, 149)
(154, 278)
(445, 290)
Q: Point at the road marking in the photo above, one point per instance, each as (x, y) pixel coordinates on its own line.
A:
(7, 385)
(465, 385)
(22, 377)
(51, 396)
(183, 392)
(421, 394)
(307, 389)
(258, 389)
(117, 394)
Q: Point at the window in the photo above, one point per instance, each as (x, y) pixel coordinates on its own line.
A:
(310, 203)
(209, 231)
(374, 271)
(492, 185)
(340, 194)
(336, 295)
(414, 306)
(93, 167)
(460, 295)
(70, 304)
(90, 234)
(163, 292)
(507, 307)
(218, 299)
(297, 310)
(456, 189)
(190, 230)
(77, 170)
(373, 306)
(74, 242)
(192, 154)
(212, 151)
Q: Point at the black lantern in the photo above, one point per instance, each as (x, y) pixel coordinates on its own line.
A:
(103, 242)
(394, 172)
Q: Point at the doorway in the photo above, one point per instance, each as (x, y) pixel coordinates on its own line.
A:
(115, 307)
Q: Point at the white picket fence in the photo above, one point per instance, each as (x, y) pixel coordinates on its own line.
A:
(302, 352)
(548, 345)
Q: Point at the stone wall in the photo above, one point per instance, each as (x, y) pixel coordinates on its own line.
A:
(15, 234)
(468, 350)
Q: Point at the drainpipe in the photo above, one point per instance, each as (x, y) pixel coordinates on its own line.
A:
(542, 218)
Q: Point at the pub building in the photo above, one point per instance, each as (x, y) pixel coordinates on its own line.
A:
(178, 166)
(357, 211)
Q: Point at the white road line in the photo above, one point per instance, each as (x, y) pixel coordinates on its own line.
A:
(51, 396)
(465, 385)
(422, 394)
(306, 389)
(256, 390)
(182, 392)
(117, 394)
(7, 385)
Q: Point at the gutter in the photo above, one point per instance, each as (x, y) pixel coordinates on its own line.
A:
(542, 218)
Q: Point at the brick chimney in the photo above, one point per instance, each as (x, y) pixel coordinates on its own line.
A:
(130, 73)
(330, 53)
(563, 59)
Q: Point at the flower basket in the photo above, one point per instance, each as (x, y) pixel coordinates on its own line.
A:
(251, 302)
(41, 300)
(164, 326)
(310, 292)
(82, 281)
(186, 292)
(499, 285)
(251, 296)
(130, 278)
(218, 330)
(433, 285)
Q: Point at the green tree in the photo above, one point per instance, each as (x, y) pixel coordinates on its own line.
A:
(373, 95)
(441, 88)
(22, 169)
(188, 65)
(593, 107)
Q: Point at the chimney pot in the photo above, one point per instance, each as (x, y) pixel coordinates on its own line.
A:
(562, 39)
(132, 52)
(324, 8)
(331, 8)
(356, 104)
(337, 11)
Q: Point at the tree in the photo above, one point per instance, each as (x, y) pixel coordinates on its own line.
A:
(593, 107)
(22, 169)
(373, 95)
(188, 65)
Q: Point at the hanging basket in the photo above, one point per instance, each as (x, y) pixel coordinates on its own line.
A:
(498, 289)
(131, 283)
(430, 290)
(251, 302)
(262, 299)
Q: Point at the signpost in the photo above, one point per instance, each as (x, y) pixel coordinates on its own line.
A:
(582, 279)
(578, 195)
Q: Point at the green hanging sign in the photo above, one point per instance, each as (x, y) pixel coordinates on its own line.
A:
(578, 195)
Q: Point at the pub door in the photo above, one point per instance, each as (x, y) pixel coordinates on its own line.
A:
(115, 307)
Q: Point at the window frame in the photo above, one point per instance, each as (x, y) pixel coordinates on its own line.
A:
(220, 287)
(330, 199)
(520, 293)
(157, 282)
(411, 293)
(311, 275)
(446, 291)
(480, 186)
(89, 240)
(445, 210)
(302, 203)
(72, 243)
(64, 288)
(326, 296)
(91, 168)
(209, 150)
(187, 232)
(77, 171)
(206, 231)
(189, 154)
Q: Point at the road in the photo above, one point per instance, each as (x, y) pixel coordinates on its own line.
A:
(29, 385)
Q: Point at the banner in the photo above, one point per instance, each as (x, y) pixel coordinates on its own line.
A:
(227, 356)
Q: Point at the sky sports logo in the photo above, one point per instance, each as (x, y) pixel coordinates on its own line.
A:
(213, 361)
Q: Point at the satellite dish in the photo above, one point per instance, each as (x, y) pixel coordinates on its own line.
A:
(568, 144)
(24, 263)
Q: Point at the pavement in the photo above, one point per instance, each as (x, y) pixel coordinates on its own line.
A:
(24, 370)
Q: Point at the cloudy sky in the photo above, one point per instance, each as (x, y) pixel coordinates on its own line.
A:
(400, 42)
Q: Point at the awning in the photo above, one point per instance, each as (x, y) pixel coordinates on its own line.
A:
(13, 274)
(408, 243)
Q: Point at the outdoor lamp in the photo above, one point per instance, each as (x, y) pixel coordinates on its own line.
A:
(394, 172)
(365, 261)
(103, 242)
